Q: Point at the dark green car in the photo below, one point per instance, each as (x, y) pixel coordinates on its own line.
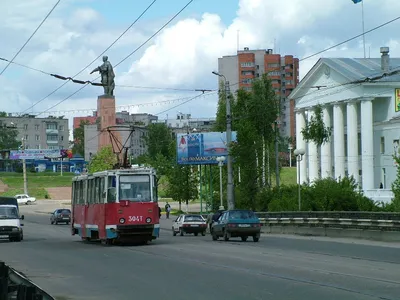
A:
(237, 223)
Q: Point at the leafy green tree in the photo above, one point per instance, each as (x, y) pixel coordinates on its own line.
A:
(8, 137)
(79, 138)
(159, 141)
(316, 131)
(104, 159)
(182, 184)
(395, 205)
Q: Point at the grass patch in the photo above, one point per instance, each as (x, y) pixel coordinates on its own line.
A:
(38, 193)
(36, 180)
(288, 176)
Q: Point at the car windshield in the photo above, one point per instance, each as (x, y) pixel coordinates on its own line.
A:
(64, 211)
(242, 214)
(193, 218)
(135, 188)
(8, 213)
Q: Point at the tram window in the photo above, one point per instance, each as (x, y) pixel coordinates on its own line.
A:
(135, 188)
(102, 190)
(155, 189)
(111, 190)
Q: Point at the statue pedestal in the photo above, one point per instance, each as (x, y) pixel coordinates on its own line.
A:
(106, 114)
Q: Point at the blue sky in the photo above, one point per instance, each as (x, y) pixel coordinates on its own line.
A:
(181, 56)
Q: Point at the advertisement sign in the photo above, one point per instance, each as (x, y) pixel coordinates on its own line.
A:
(33, 153)
(397, 100)
(201, 148)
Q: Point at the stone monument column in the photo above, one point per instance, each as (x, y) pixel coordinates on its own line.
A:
(106, 115)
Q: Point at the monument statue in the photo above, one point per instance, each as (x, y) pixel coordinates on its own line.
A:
(107, 76)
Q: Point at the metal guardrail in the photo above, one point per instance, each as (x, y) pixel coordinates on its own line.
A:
(14, 285)
(342, 223)
(332, 214)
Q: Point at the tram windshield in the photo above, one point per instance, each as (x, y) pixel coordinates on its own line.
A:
(135, 188)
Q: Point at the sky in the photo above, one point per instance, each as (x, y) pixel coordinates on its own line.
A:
(178, 60)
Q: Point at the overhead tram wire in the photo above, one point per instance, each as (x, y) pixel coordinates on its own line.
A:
(23, 46)
(350, 39)
(83, 69)
(129, 55)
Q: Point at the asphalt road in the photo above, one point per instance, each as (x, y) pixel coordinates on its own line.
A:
(197, 268)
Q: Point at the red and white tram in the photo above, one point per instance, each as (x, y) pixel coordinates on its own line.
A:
(116, 205)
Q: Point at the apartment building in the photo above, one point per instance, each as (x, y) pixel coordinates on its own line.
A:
(136, 143)
(40, 133)
(241, 69)
(183, 123)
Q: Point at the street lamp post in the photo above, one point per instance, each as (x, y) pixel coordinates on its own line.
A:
(220, 160)
(230, 189)
(299, 157)
(290, 148)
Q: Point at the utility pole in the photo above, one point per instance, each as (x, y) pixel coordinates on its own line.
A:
(24, 168)
(277, 156)
(230, 188)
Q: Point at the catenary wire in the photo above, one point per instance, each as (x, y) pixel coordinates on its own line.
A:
(129, 55)
(23, 46)
(83, 69)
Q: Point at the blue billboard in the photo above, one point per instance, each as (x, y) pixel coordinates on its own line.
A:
(201, 148)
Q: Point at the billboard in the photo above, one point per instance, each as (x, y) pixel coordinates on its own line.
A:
(397, 100)
(201, 148)
(33, 153)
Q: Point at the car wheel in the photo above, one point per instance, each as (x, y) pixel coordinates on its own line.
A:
(67, 223)
(173, 231)
(203, 233)
(51, 222)
(214, 237)
(181, 231)
(196, 234)
(56, 222)
(256, 239)
(28, 202)
(226, 236)
(244, 238)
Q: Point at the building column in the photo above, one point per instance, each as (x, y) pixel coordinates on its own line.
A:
(301, 144)
(312, 154)
(338, 136)
(326, 148)
(367, 144)
(352, 140)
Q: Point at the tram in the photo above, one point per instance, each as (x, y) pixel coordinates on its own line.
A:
(116, 206)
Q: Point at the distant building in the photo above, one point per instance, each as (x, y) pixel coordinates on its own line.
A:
(183, 123)
(135, 143)
(40, 133)
(241, 69)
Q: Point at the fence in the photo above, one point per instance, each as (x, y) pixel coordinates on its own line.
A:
(14, 285)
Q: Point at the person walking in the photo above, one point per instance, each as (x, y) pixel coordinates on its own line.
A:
(167, 209)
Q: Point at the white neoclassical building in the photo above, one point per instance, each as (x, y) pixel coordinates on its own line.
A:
(364, 113)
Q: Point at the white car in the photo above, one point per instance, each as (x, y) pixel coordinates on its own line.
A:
(25, 199)
(192, 223)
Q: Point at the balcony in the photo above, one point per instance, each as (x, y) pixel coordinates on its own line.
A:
(52, 131)
(52, 142)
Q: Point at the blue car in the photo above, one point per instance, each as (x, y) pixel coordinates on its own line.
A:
(237, 223)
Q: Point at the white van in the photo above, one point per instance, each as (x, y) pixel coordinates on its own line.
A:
(10, 223)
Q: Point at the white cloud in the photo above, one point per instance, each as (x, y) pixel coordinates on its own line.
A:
(182, 56)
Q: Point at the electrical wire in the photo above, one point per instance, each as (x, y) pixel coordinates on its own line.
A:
(350, 39)
(23, 46)
(129, 55)
(83, 69)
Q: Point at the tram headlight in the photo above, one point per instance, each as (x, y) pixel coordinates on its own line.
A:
(148, 220)
(122, 220)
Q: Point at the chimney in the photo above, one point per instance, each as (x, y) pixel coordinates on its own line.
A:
(385, 59)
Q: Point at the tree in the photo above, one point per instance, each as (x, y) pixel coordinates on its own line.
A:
(182, 184)
(254, 115)
(8, 137)
(395, 205)
(79, 138)
(316, 131)
(104, 159)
